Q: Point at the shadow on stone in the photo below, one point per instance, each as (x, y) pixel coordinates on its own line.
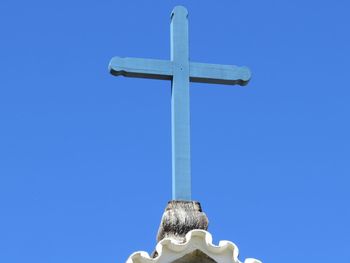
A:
(195, 257)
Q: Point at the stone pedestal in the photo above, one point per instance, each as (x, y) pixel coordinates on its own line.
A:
(179, 218)
(183, 238)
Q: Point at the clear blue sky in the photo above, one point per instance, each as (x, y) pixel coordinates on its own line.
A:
(85, 157)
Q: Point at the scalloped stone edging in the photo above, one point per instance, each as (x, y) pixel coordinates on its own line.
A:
(169, 250)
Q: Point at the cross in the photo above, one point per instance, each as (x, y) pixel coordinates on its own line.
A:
(181, 72)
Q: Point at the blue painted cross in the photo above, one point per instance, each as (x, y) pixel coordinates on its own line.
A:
(180, 71)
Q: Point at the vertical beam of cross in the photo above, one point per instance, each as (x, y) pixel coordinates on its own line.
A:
(180, 105)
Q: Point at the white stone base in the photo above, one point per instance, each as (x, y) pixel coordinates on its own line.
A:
(169, 250)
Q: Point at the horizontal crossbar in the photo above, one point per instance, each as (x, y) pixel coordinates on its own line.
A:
(163, 69)
(141, 68)
(219, 74)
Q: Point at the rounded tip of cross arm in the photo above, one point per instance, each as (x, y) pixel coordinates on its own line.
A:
(114, 66)
(246, 76)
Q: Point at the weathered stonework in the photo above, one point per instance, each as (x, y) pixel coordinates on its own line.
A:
(179, 218)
